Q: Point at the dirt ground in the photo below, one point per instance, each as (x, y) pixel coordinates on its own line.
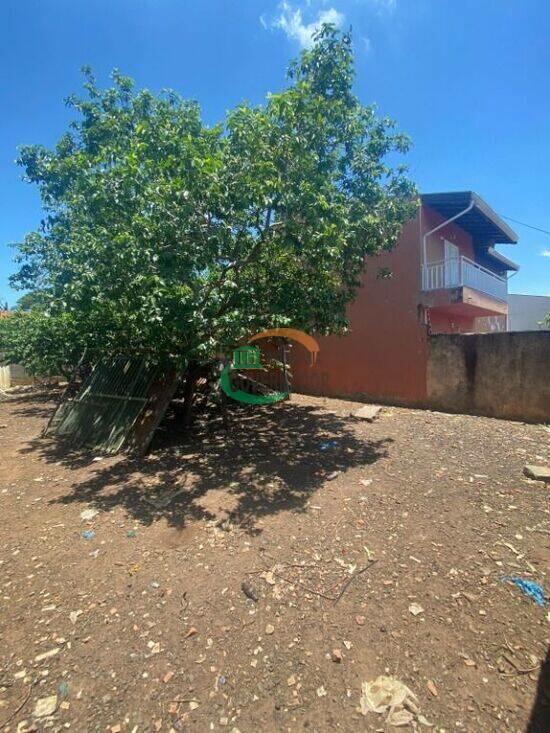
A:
(372, 549)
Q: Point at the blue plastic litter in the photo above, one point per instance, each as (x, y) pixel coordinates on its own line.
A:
(529, 587)
(131, 533)
(63, 689)
(328, 444)
(88, 534)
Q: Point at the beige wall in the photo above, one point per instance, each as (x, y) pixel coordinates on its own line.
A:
(504, 375)
(13, 375)
(5, 381)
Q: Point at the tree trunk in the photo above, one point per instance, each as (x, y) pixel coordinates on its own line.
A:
(191, 377)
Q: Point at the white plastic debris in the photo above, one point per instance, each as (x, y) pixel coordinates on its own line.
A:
(389, 696)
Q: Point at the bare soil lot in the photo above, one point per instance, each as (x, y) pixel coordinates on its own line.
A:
(134, 619)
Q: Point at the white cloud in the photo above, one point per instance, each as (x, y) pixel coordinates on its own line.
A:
(291, 21)
(545, 253)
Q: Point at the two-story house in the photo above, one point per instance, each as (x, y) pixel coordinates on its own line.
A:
(443, 274)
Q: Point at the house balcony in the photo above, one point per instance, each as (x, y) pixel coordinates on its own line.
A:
(464, 286)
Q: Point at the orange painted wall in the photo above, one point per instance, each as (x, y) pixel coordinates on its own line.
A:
(384, 356)
(448, 322)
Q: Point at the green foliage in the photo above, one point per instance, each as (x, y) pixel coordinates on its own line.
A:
(546, 320)
(35, 299)
(165, 236)
(45, 345)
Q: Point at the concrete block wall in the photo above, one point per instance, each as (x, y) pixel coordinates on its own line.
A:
(505, 375)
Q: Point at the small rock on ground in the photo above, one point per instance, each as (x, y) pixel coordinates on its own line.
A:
(367, 412)
(539, 473)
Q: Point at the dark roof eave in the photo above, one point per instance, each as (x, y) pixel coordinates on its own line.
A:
(501, 259)
(481, 221)
(495, 218)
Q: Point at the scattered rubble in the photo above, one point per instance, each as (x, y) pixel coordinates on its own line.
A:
(45, 707)
(161, 633)
(47, 655)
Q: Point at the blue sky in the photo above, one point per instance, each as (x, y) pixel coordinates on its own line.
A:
(468, 81)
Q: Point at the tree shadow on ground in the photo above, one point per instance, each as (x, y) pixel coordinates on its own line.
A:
(270, 459)
(32, 403)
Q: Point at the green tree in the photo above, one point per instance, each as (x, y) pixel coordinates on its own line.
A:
(46, 345)
(35, 299)
(166, 237)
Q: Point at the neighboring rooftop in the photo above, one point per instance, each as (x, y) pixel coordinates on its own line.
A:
(526, 312)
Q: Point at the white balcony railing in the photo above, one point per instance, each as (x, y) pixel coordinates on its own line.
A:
(461, 271)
